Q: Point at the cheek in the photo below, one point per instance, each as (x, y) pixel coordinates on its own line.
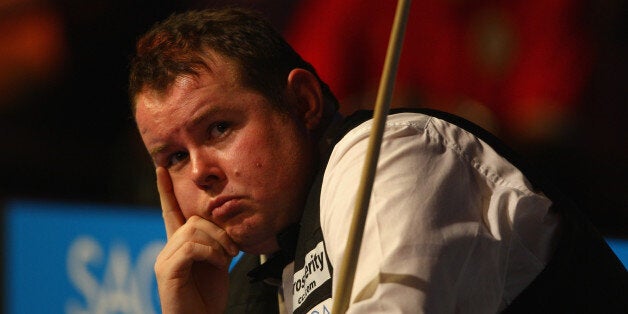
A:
(252, 157)
(257, 172)
(271, 164)
(279, 171)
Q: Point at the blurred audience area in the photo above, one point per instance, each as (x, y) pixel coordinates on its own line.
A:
(548, 77)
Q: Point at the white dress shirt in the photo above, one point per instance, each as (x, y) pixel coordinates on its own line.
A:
(452, 226)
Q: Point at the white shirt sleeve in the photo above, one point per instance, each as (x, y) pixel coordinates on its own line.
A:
(452, 226)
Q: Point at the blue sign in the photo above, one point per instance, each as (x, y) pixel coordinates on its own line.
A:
(80, 258)
(620, 247)
(74, 258)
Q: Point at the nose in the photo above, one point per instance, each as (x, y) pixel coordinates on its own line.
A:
(206, 171)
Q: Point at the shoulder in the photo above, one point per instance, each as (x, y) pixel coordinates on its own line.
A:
(430, 136)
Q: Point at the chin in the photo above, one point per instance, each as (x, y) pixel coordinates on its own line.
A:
(265, 247)
(253, 242)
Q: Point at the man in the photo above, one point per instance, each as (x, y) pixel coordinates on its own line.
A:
(251, 155)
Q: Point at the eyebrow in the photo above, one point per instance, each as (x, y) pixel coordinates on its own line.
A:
(198, 119)
(157, 150)
(195, 121)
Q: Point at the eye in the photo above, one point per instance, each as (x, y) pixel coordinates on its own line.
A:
(219, 129)
(176, 158)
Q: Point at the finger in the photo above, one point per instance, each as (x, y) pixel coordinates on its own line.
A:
(180, 262)
(170, 210)
(199, 230)
(179, 255)
(189, 244)
(216, 233)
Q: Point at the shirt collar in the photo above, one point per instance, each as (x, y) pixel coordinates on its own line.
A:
(272, 269)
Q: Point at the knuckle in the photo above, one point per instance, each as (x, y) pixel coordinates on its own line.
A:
(157, 267)
(221, 233)
(194, 219)
(160, 258)
(188, 232)
(188, 248)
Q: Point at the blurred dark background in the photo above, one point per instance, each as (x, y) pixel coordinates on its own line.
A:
(67, 132)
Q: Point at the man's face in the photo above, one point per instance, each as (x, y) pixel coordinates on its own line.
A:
(233, 159)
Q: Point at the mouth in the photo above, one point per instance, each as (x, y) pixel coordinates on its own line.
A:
(224, 208)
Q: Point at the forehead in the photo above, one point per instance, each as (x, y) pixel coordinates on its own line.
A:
(210, 62)
(218, 70)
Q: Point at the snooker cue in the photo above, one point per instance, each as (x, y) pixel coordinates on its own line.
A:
(348, 266)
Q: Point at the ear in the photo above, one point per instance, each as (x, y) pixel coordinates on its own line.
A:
(307, 97)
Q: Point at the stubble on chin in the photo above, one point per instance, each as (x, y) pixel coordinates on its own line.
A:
(253, 237)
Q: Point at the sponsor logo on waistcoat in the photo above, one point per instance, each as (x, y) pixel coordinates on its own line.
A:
(314, 274)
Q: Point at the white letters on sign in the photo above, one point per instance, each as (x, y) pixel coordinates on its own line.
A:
(122, 288)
